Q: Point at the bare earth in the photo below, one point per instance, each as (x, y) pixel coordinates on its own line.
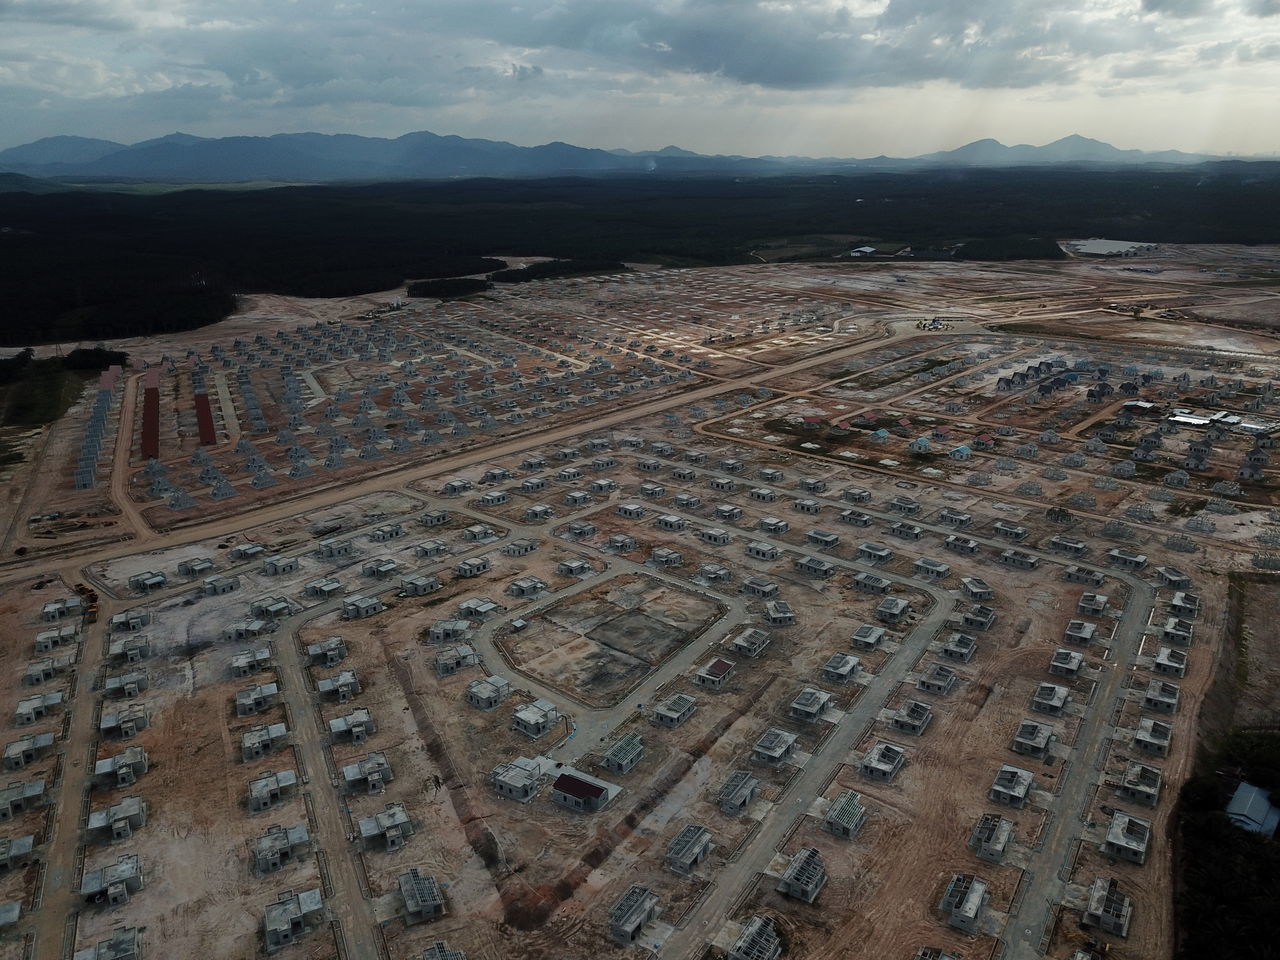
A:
(536, 412)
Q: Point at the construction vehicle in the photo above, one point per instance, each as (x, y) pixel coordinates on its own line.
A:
(90, 602)
(325, 527)
(1092, 949)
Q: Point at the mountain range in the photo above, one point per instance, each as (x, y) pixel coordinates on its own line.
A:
(315, 157)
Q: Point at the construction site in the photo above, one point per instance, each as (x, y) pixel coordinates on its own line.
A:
(794, 610)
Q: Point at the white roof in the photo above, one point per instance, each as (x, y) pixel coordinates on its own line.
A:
(1104, 247)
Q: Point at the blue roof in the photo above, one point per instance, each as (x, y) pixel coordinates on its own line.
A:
(1251, 809)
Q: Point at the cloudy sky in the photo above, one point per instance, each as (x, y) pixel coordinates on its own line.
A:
(813, 77)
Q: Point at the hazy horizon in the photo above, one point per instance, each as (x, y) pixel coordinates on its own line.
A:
(604, 146)
(847, 78)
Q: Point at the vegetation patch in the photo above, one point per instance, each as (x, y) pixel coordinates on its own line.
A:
(552, 269)
(448, 288)
(457, 267)
(9, 452)
(1010, 248)
(1230, 878)
(93, 265)
(35, 392)
(1226, 878)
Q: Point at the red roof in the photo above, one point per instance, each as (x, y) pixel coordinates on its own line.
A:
(150, 447)
(719, 667)
(580, 789)
(204, 420)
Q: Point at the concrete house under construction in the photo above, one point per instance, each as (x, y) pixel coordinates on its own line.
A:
(804, 877)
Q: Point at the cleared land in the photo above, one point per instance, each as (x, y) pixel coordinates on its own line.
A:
(776, 425)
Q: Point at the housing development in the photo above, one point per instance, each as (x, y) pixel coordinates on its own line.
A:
(810, 611)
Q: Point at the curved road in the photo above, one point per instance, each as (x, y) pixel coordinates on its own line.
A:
(1025, 924)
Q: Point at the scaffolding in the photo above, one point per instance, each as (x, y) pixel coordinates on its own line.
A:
(1108, 909)
(633, 910)
(758, 941)
(688, 849)
(423, 899)
(624, 754)
(805, 876)
(846, 815)
(440, 950)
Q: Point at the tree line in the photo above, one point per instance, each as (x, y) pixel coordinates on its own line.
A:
(93, 265)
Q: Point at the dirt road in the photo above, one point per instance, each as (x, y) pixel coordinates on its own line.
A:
(130, 516)
(400, 476)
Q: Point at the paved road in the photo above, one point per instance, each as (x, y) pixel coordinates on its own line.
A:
(1044, 886)
(347, 902)
(703, 922)
(62, 850)
(401, 475)
(594, 725)
(332, 825)
(310, 740)
(130, 514)
(317, 392)
(986, 495)
(59, 902)
(61, 854)
(229, 419)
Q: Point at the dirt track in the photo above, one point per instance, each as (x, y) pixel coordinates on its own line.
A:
(938, 796)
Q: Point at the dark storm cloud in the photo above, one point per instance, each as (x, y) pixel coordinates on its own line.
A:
(1010, 43)
(65, 13)
(265, 65)
(397, 51)
(1179, 8)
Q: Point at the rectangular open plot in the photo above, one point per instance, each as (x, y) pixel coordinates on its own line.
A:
(599, 645)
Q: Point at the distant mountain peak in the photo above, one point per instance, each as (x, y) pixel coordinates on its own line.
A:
(1075, 139)
(318, 157)
(62, 149)
(1071, 149)
(182, 139)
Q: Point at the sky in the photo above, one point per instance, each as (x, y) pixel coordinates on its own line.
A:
(851, 78)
